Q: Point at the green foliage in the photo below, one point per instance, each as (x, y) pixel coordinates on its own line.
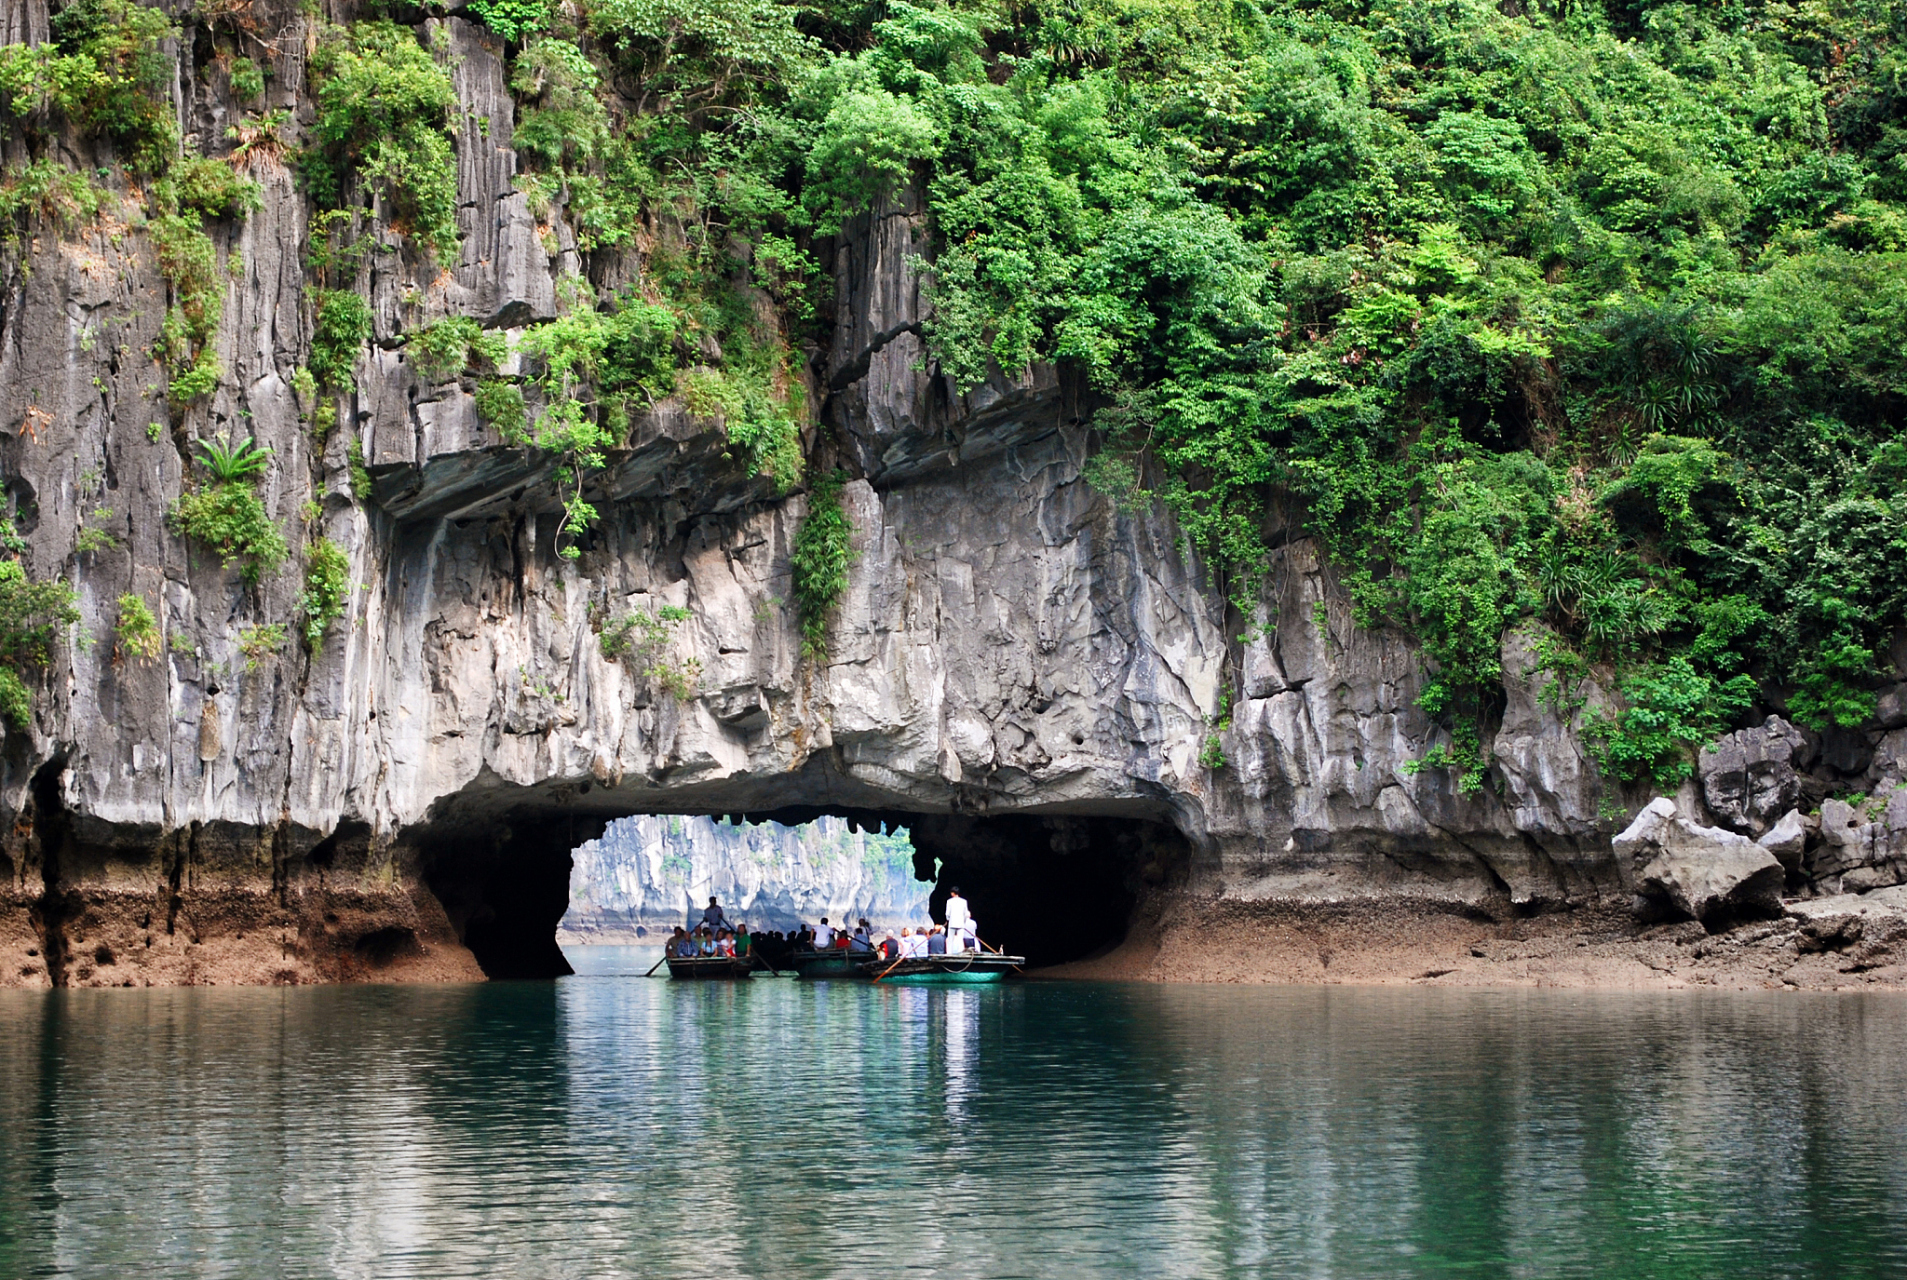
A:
(500, 404)
(327, 588)
(93, 538)
(644, 638)
(361, 486)
(230, 520)
(1591, 315)
(248, 79)
(47, 190)
(16, 700)
(32, 614)
(442, 350)
(189, 263)
(213, 189)
(564, 122)
(341, 327)
(260, 642)
(1672, 711)
(1212, 753)
(138, 629)
(106, 69)
(227, 463)
(512, 19)
(820, 560)
(384, 113)
(868, 146)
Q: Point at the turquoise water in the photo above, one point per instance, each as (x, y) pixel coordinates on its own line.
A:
(607, 1126)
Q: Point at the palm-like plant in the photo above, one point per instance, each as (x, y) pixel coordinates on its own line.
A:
(244, 461)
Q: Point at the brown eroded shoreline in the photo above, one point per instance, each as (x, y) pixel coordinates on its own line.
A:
(1444, 944)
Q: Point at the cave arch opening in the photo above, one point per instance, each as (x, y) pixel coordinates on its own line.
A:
(1053, 887)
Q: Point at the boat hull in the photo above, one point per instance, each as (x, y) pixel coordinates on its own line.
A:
(969, 969)
(826, 964)
(709, 967)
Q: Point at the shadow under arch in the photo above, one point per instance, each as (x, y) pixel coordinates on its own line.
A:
(1052, 886)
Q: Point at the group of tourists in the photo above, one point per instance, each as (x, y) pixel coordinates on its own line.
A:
(713, 935)
(703, 941)
(928, 939)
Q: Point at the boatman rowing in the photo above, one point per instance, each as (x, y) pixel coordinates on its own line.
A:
(959, 920)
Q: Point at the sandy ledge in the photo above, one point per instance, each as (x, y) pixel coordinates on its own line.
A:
(1443, 944)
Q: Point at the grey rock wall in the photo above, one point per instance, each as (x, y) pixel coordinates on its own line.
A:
(655, 873)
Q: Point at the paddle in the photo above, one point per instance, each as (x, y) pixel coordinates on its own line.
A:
(658, 964)
(996, 951)
(890, 968)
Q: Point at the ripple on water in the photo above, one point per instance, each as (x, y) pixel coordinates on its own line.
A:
(609, 1126)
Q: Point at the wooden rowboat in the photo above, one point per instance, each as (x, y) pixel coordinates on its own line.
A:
(710, 966)
(832, 962)
(967, 968)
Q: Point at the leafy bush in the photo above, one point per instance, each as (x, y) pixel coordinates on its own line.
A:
(260, 642)
(45, 189)
(189, 263)
(341, 327)
(138, 629)
(327, 589)
(1672, 710)
(248, 79)
(500, 404)
(361, 486)
(384, 113)
(820, 561)
(512, 19)
(644, 637)
(230, 519)
(442, 350)
(117, 79)
(32, 615)
(213, 189)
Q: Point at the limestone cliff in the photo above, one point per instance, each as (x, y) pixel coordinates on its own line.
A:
(1040, 685)
(655, 873)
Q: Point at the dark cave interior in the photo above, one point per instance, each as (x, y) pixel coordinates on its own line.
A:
(1050, 887)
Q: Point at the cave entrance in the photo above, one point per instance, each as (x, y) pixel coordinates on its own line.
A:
(1051, 887)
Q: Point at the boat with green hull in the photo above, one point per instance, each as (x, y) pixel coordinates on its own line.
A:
(719, 967)
(830, 962)
(966, 968)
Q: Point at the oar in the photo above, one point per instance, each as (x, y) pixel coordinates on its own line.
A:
(890, 968)
(996, 951)
(658, 964)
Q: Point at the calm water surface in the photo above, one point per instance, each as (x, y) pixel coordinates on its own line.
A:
(607, 1126)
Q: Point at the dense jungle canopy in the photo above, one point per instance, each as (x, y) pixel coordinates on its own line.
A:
(1589, 315)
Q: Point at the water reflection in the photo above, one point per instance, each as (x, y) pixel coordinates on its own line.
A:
(608, 1126)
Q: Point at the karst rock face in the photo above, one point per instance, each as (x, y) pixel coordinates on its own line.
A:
(1018, 668)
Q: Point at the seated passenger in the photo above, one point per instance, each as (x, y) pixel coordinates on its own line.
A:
(744, 941)
(841, 940)
(823, 935)
(860, 944)
(937, 942)
(913, 945)
(678, 943)
(890, 947)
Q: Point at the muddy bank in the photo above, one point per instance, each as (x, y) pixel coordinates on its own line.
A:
(1187, 939)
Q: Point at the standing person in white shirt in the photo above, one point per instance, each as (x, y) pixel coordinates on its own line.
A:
(958, 919)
